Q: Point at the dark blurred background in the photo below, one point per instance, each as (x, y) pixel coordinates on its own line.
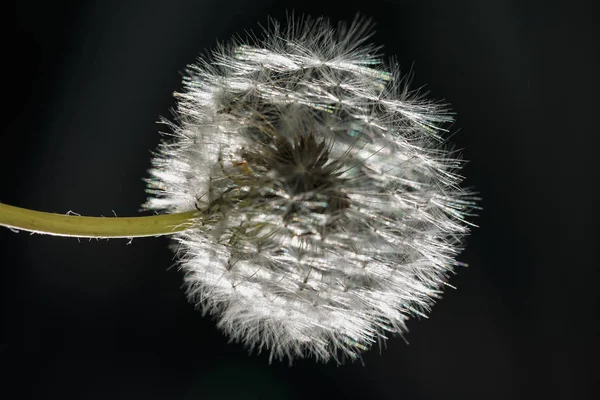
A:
(84, 83)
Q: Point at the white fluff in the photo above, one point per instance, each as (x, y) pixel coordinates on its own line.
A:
(331, 208)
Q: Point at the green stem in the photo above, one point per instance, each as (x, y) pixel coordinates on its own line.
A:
(95, 227)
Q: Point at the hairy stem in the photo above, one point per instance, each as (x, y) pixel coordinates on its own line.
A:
(94, 227)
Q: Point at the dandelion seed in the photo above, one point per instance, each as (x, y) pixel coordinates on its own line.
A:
(331, 210)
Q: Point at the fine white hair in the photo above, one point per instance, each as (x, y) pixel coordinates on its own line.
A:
(331, 208)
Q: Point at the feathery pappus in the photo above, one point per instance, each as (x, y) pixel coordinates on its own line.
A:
(331, 206)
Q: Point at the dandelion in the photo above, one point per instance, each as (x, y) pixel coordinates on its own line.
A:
(330, 211)
(314, 204)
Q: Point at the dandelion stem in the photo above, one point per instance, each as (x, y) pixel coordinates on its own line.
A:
(94, 227)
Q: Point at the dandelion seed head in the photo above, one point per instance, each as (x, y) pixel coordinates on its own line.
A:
(331, 208)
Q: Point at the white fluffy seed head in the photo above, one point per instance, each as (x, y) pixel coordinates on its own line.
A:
(331, 209)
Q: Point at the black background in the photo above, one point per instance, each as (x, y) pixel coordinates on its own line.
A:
(83, 85)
